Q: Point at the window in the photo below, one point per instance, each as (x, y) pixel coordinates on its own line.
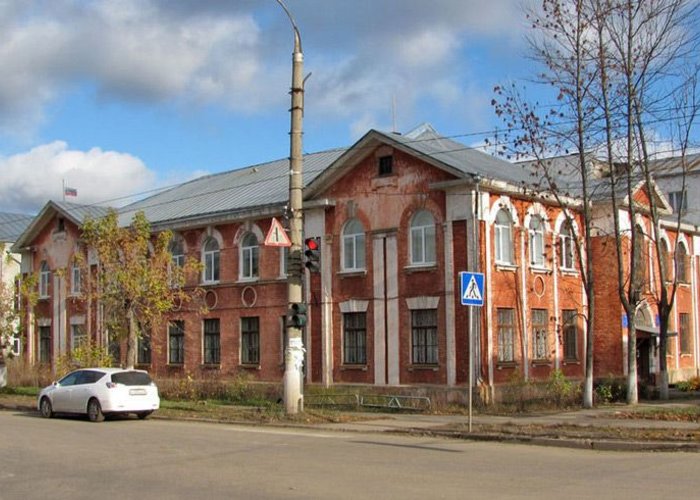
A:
(570, 322)
(424, 343)
(665, 261)
(176, 342)
(75, 284)
(678, 201)
(210, 255)
(44, 344)
(566, 246)
(354, 338)
(284, 261)
(250, 257)
(212, 342)
(15, 346)
(250, 341)
(684, 333)
(44, 277)
(143, 348)
(78, 336)
(682, 263)
(506, 350)
(539, 322)
(536, 242)
(386, 165)
(422, 238)
(503, 229)
(60, 225)
(177, 252)
(353, 246)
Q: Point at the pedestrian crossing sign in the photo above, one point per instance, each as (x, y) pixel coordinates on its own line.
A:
(472, 289)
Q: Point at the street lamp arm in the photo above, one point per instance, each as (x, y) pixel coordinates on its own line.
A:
(297, 36)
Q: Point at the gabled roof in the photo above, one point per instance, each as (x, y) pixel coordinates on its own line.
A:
(227, 193)
(74, 212)
(13, 225)
(425, 143)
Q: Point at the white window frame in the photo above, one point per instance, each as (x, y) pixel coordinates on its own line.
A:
(425, 234)
(44, 278)
(249, 268)
(537, 249)
(75, 280)
(353, 248)
(503, 236)
(209, 259)
(566, 247)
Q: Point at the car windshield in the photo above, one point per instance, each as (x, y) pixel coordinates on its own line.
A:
(131, 378)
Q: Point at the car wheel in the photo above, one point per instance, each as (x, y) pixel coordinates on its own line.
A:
(94, 411)
(143, 414)
(45, 408)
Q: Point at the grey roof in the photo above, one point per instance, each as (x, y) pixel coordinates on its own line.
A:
(425, 141)
(266, 184)
(13, 225)
(79, 212)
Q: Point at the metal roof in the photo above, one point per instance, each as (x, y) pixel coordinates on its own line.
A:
(13, 225)
(266, 184)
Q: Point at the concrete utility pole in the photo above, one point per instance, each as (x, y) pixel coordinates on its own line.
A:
(294, 350)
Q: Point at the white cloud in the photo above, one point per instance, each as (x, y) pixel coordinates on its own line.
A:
(102, 177)
(237, 53)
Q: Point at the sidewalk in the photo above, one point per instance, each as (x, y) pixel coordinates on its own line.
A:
(585, 428)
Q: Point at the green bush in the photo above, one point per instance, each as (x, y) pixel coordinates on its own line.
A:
(690, 385)
(610, 390)
(87, 355)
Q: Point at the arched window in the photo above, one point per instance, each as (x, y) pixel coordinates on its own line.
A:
(503, 229)
(250, 257)
(641, 262)
(682, 263)
(665, 261)
(536, 230)
(44, 277)
(566, 246)
(422, 246)
(210, 258)
(353, 246)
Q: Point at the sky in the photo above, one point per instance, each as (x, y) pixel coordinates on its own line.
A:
(117, 98)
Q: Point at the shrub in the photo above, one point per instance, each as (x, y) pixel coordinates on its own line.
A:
(89, 354)
(690, 385)
(562, 391)
(610, 390)
(517, 392)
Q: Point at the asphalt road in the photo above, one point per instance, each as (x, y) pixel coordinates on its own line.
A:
(153, 459)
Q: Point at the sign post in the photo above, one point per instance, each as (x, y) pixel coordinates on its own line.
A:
(472, 295)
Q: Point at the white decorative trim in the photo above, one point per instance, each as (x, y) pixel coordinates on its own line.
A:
(43, 321)
(423, 302)
(496, 206)
(77, 320)
(354, 306)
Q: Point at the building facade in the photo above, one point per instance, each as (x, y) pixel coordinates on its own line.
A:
(398, 218)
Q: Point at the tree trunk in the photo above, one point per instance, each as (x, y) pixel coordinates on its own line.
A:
(131, 341)
(632, 391)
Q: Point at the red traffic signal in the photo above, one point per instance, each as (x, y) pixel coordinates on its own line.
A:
(312, 253)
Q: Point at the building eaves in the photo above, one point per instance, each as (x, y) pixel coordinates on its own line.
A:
(12, 225)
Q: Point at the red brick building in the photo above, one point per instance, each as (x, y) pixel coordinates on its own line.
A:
(398, 217)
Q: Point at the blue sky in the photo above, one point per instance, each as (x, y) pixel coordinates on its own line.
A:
(118, 97)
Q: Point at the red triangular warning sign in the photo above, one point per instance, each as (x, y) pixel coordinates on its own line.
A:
(277, 236)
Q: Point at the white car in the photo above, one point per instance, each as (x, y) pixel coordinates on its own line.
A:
(100, 391)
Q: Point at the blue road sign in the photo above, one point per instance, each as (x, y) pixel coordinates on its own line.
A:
(472, 289)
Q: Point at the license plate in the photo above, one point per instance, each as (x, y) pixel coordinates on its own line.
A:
(137, 392)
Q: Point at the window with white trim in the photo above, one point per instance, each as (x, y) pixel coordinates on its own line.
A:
(75, 283)
(210, 258)
(79, 336)
(353, 246)
(570, 327)
(44, 278)
(176, 342)
(422, 245)
(536, 231)
(682, 263)
(212, 341)
(503, 234)
(566, 247)
(250, 257)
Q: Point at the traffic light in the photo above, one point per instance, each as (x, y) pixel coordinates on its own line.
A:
(297, 316)
(312, 252)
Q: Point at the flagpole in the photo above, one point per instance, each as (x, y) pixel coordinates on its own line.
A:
(63, 189)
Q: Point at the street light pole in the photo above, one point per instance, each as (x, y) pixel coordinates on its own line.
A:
(294, 350)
